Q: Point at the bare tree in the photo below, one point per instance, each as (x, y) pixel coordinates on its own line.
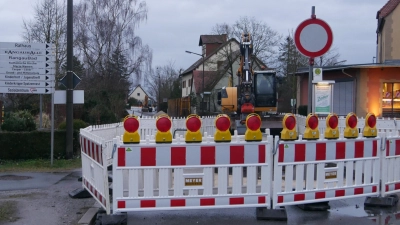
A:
(161, 81)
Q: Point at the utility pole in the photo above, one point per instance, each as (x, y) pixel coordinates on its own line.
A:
(70, 109)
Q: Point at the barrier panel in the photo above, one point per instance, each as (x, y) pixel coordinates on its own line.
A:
(94, 168)
(391, 166)
(192, 176)
(323, 170)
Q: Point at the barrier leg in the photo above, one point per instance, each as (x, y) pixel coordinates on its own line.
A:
(262, 213)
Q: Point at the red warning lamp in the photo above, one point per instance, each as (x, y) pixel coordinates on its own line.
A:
(222, 125)
(163, 124)
(131, 125)
(193, 125)
(332, 122)
(351, 130)
(289, 127)
(253, 124)
(370, 126)
(311, 132)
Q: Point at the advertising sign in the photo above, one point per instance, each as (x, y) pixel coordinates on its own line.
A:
(323, 96)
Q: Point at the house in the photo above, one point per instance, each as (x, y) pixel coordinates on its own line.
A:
(388, 32)
(220, 61)
(139, 94)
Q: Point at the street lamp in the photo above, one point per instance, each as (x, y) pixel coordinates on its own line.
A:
(202, 98)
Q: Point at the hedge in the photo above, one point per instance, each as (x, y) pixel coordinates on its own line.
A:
(35, 145)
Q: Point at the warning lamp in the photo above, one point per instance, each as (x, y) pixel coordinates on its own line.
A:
(222, 125)
(193, 125)
(289, 127)
(163, 124)
(370, 126)
(332, 122)
(131, 126)
(253, 124)
(351, 130)
(311, 132)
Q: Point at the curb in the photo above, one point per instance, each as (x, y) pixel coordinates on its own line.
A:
(90, 216)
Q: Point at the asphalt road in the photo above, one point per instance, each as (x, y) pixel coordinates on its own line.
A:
(41, 199)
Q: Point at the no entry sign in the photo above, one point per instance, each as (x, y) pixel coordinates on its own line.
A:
(313, 37)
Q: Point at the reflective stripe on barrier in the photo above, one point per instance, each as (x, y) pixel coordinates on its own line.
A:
(191, 176)
(391, 166)
(322, 170)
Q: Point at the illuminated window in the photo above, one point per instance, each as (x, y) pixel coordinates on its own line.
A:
(391, 99)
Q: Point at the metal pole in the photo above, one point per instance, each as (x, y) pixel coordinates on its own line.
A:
(202, 99)
(52, 129)
(69, 110)
(41, 111)
(310, 73)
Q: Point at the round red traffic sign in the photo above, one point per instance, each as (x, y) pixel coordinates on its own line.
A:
(313, 37)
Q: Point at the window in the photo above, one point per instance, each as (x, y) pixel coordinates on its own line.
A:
(138, 94)
(190, 82)
(184, 84)
(391, 99)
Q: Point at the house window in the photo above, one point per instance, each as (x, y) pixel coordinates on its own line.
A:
(138, 94)
(190, 82)
(391, 99)
(184, 84)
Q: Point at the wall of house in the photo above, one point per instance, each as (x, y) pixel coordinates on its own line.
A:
(135, 96)
(371, 82)
(389, 38)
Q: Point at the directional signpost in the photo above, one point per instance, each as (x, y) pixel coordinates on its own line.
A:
(27, 68)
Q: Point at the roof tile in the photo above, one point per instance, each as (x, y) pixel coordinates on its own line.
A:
(388, 8)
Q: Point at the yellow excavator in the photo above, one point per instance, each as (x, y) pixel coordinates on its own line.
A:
(255, 93)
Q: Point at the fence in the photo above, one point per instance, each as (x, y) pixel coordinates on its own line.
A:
(149, 176)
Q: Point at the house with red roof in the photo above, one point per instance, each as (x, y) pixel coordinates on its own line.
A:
(216, 68)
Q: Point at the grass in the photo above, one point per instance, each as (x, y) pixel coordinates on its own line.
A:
(8, 210)
(40, 165)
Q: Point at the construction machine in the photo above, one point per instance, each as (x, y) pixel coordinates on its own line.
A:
(255, 93)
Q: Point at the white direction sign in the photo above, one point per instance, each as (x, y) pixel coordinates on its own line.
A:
(6, 77)
(25, 70)
(25, 52)
(27, 58)
(26, 90)
(17, 83)
(17, 45)
(31, 64)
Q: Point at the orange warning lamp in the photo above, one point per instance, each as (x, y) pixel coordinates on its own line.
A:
(193, 125)
(222, 125)
(311, 132)
(370, 126)
(253, 124)
(163, 124)
(351, 130)
(289, 127)
(131, 126)
(332, 122)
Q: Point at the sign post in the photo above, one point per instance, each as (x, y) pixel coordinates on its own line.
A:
(313, 38)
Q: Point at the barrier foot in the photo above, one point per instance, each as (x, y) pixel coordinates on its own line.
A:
(113, 219)
(80, 193)
(387, 201)
(263, 213)
(319, 206)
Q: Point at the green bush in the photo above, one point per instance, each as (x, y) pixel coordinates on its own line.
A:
(19, 121)
(303, 110)
(77, 124)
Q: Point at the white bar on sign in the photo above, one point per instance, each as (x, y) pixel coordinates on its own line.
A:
(31, 64)
(26, 90)
(25, 52)
(6, 77)
(27, 58)
(19, 83)
(29, 70)
(20, 45)
(60, 97)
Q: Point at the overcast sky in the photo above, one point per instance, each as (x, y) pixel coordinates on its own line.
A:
(174, 26)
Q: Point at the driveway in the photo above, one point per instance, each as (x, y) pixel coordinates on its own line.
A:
(41, 199)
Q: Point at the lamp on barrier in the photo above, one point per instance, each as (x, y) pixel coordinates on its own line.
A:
(351, 130)
(332, 122)
(289, 127)
(163, 124)
(131, 126)
(370, 126)
(222, 125)
(193, 125)
(253, 124)
(311, 132)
